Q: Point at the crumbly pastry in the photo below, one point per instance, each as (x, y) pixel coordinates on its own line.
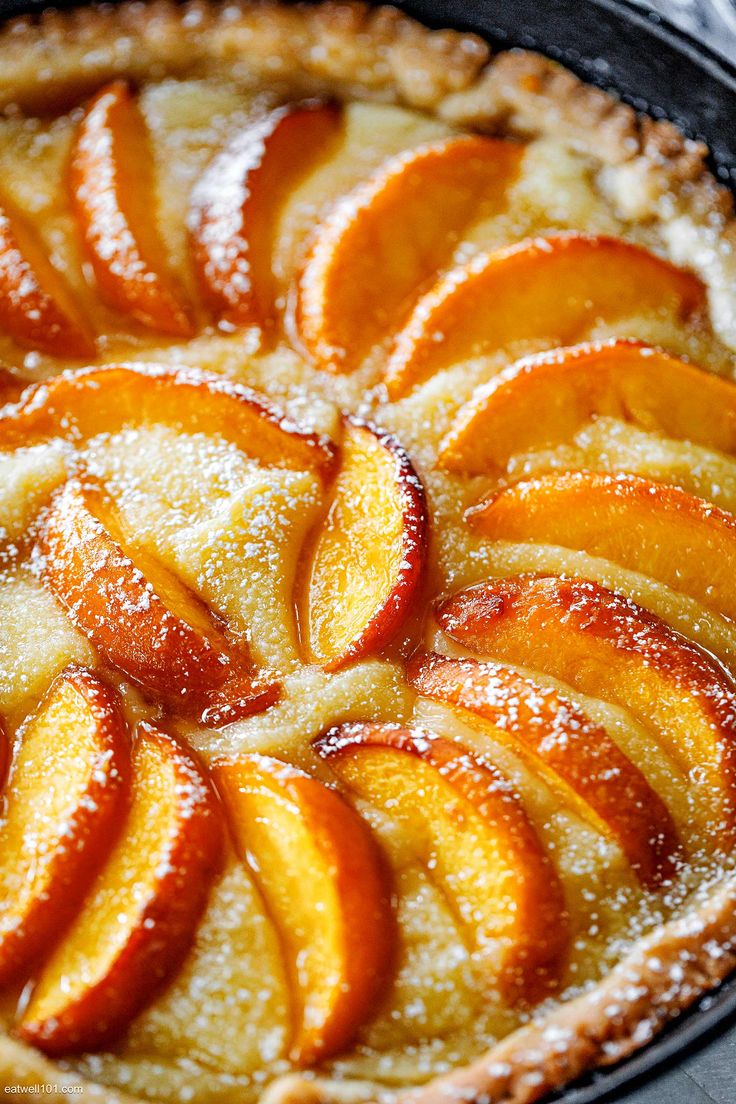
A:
(366, 612)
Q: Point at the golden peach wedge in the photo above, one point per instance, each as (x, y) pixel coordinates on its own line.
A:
(111, 184)
(594, 774)
(336, 924)
(547, 289)
(12, 387)
(543, 400)
(64, 798)
(627, 519)
(368, 560)
(469, 826)
(4, 755)
(382, 242)
(138, 919)
(78, 405)
(236, 202)
(37, 308)
(606, 646)
(140, 616)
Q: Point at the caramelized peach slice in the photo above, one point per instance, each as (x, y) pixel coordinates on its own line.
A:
(383, 241)
(470, 828)
(65, 794)
(12, 387)
(336, 923)
(140, 616)
(543, 289)
(369, 557)
(136, 923)
(608, 647)
(111, 181)
(4, 755)
(37, 308)
(79, 405)
(627, 519)
(543, 400)
(236, 201)
(595, 775)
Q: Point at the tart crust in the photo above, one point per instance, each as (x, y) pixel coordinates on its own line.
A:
(648, 170)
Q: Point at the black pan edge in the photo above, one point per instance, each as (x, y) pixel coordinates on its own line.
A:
(639, 56)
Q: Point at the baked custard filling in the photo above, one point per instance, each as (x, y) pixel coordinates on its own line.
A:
(368, 515)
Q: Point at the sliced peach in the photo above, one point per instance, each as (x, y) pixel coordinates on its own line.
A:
(236, 201)
(66, 792)
(627, 519)
(368, 561)
(543, 289)
(543, 400)
(11, 387)
(79, 405)
(470, 828)
(111, 182)
(381, 243)
(606, 646)
(336, 923)
(37, 308)
(4, 755)
(595, 774)
(137, 922)
(140, 616)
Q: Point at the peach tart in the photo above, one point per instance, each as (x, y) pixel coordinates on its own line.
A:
(367, 545)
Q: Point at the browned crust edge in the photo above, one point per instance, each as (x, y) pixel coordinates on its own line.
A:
(662, 976)
(649, 170)
(350, 48)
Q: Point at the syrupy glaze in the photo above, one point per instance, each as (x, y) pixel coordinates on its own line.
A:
(234, 531)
